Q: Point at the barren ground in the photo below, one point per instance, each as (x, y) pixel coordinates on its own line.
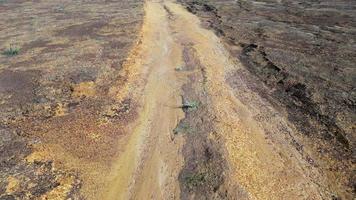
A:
(177, 100)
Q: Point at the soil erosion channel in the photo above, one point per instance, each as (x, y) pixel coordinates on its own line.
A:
(194, 136)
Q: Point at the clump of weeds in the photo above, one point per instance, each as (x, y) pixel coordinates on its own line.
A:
(12, 51)
(190, 105)
(195, 180)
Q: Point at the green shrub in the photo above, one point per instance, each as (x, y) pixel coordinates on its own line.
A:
(190, 105)
(12, 51)
(195, 180)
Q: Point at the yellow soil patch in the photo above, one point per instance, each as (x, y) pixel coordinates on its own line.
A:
(13, 184)
(84, 89)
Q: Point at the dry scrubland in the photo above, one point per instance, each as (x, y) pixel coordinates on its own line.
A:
(55, 92)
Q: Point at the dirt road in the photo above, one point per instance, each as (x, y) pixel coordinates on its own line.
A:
(228, 143)
(141, 100)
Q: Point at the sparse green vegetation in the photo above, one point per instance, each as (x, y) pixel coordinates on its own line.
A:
(190, 105)
(12, 51)
(195, 180)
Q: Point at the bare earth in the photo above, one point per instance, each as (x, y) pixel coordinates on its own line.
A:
(148, 100)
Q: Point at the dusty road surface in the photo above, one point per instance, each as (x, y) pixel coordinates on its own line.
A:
(230, 143)
(180, 119)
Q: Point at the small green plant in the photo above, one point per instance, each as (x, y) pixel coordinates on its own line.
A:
(195, 180)
(12, 51)
(190, 105)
